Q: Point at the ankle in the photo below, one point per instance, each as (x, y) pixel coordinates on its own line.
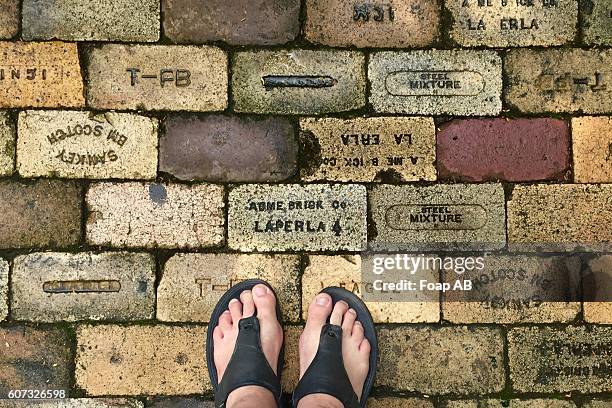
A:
(319, 401)
(251, 396)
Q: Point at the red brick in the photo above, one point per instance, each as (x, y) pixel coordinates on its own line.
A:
(504, 149)
(228, 148)
(39, 214)
(237, 22)
(35, 359)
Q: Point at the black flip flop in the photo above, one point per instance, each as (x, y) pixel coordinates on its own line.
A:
(326, 374)
(248, 364)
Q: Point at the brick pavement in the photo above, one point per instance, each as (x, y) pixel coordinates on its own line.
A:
(152, 153)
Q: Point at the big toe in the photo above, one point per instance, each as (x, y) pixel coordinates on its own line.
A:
(318, 312)
(264, 300)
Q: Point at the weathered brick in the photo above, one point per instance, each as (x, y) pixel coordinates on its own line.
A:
(297, 217)
(596, 17)
(552, 217)
(180, 402)
(4, 288)
(598, 290)
(513, 24)
(516, 289)
(546, 359)
(135, 360)
(291, 368)
(40, 75)
(392, 402)
(346, 271)
(74, 403)
(363, 149)
(282, 81)
(598, 403)
(34, 359)
(241, 22)
(436, 82)
(192, 284)
(445, 217)
(157, 77)
(155, 215)
(514, 403)
(559, 80)
(592, 149)
(54, 286)
(76, 144)
(441, 360)
(43, 213)
(228, 148)
(100, 20)
(504, 149)
(7, 145)
(401, 24)
(9, 18)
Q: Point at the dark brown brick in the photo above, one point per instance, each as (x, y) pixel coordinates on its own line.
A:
(237, 22)
(35, 359)
(9, 18)
(39, 214)
(224, 148)
(504, 149)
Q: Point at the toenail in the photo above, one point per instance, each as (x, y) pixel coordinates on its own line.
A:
(344, 303)
(260, 290)
(233, 301)
(351, 311)
(322, 300)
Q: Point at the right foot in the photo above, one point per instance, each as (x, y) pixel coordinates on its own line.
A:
(355, 347)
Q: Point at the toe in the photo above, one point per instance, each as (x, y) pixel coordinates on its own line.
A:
(340, 309)
(264, 301)
(235, 308)
(357, 333)
(218, 334)
(318, 311)
(348, 321)
(225, 321)
(365, 347)
(248, 306)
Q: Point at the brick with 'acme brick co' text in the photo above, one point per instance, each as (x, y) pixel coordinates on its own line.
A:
(504, 149)
(43, 213)
(239, 22)
(155, 215)
(157, 77)
(228, 148)
(40, 75)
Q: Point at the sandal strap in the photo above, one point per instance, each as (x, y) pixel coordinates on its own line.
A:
(326, 374)
(248, 364)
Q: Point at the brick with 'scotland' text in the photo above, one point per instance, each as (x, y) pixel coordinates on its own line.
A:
(75, 144)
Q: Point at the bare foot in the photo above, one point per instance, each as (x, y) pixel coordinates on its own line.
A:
(261, 302)
(355, 347)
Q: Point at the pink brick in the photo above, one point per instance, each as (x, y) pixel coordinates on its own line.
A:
(504, 149)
